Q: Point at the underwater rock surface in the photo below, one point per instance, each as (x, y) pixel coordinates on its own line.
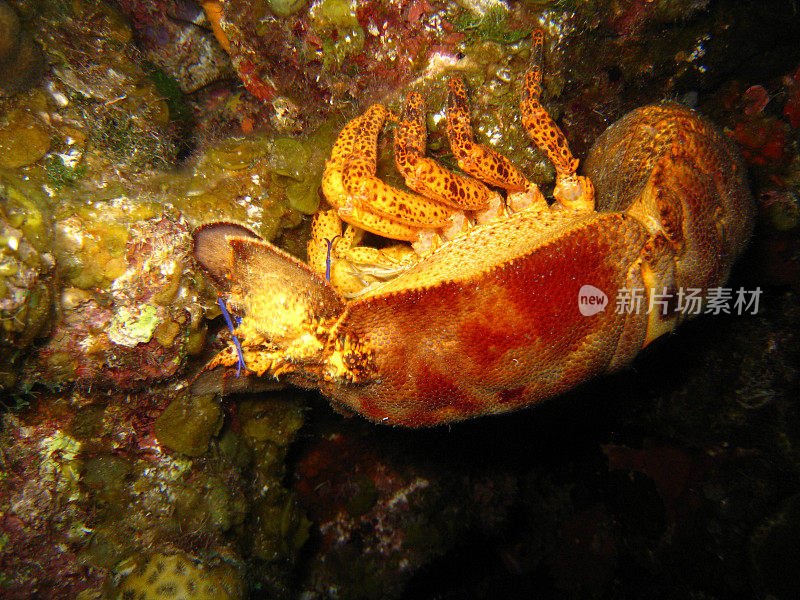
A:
(128, 124)
(21, 59)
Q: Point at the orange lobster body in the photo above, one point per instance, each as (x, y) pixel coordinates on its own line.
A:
(497, 339)
(490, 322)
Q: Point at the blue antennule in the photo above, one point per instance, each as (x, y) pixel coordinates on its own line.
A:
(328, 258)
(236, 343)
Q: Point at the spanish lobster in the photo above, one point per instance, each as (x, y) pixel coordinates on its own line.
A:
(489, 313)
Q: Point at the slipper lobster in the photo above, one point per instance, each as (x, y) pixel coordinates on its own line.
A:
(501, 311)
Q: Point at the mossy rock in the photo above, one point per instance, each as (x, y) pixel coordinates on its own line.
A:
(23, 139)
(188, 424)
(275, 421)
(285, 8)
(279, 526)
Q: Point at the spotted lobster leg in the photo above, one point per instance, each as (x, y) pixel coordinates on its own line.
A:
(571, 191)
(424, 175)
(476, 159)
(350, 184)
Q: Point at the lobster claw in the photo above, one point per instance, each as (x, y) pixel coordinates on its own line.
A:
(256, 274)
(281, 302)
(213, 252)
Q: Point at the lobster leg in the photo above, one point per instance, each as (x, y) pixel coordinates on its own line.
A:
(571, 191)
(349, 267)
(370, 193)
(476, 159)
(483, 162)
(426, 176)
(333, 186)
(326, 227)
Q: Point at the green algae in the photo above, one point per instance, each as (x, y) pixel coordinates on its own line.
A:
(206, 502)
(24, 139)
(101, 88)
(91, 237)
(237, 154)
(169, 288)
(59, 174)
(494, 25)
(132, 141)
(90, 259)
(188, 424)
(278, 526)
(336, 24)
(105, 474)
(195, 341)
(285, 8)
(62, 368)
(25, 207)
(293, 159)
(159, 498)
(25, 323)
(27, 278)
(133, 325)
(289, 158)
(264, 182)
(233, 449)
(275, 422)
(87, 422)
(169, 89)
